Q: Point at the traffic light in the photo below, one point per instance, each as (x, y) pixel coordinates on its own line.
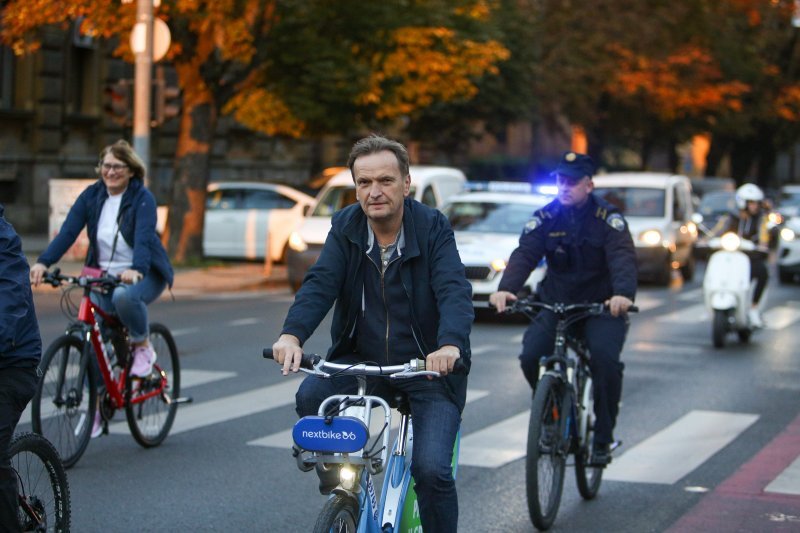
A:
(165, 101)
(118, 101)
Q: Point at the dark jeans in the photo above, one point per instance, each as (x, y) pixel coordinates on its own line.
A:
(436, 420)
(605, 336)
(758, 272)
(17, 387)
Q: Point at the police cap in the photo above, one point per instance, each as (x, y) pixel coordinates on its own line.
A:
(574, 165)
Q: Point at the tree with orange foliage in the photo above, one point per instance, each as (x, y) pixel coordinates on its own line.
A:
(291, 68)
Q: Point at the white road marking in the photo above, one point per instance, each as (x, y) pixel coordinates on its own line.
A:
(788, 481)
(192, 378)
(496, 445)
(663, 348)
(283, 439)
(486, 349)
(669, 455)
(687, 315)
(197, 415)
(245, 321)
(781, 317)
(184, 331)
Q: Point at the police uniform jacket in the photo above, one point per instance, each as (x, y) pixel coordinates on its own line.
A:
(589, 251)
(137, 225)
(432, 278)
(20, 342)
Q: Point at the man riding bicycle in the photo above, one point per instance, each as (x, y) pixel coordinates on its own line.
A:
(391, 266)
(590, 258)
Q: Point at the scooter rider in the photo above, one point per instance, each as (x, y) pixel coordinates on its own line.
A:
(751, 223)
(590, 258)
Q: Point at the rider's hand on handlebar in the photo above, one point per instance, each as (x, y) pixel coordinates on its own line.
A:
(287, 353)
(131, 276)
(37, 274)
(618, 305)
(442, 360)
(500, 299)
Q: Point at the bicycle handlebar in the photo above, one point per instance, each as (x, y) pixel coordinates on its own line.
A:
(527, 305)
(314, 362)
(56, 279)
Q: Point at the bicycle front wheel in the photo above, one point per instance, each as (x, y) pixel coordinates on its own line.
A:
(546, 460)
(339, 515)
(149, 407)
(588, 477)
(66, 399)
(41, 484)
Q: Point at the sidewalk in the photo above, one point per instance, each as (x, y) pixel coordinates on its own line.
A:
(233, 276)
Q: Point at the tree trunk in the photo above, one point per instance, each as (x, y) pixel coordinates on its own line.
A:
(184, 234)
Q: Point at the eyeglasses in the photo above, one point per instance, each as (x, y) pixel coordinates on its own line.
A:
(116, 167)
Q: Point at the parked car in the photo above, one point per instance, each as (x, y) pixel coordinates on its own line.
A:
(789, 201)
(658, 208)
(429, 184)
(487, 227)
(789, 250)
(242, 217)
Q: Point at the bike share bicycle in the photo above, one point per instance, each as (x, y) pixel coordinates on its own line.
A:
(44, 503)
(562, 413)
(339, 435)
(63, 408)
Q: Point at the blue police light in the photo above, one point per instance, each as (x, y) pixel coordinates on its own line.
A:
(500, 186)
(339, 434)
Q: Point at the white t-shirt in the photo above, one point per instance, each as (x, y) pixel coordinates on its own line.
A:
(107, 228)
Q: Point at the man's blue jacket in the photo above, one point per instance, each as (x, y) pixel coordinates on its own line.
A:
(20, 342)
(432, 276)
(137, 225)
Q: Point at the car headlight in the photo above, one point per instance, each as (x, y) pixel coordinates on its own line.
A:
(730, 242)
(775, 218)
(787, 235)
(651, 237)
(498, 265)
(297, 243)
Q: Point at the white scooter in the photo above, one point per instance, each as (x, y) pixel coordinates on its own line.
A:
(727, 288)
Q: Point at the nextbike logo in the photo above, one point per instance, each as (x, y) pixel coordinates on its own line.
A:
(338, 434)
(322, 434)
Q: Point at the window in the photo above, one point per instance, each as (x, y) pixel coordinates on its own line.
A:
(642, 202)
(6, 78)
(222, 199)
(335, 199)
(678, 207)
(429, 197)
(260, 199)
(489, 217)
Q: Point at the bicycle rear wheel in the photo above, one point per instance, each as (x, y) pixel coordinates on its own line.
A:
(546, 459)
(66, 399)
(587, 477)
(339, 515)
(150, 418)
(41, 484)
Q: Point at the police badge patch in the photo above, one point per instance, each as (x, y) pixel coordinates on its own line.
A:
(616, 221)
(532, 224)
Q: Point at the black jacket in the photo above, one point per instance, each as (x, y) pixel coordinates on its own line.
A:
(432, 276)
(20, 342)
(589, 251)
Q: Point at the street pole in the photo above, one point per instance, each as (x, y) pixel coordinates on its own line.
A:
(142, 86)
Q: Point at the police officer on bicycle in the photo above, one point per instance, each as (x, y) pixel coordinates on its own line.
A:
(590, 258)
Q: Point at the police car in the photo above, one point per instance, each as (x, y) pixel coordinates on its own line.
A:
(487, 224)
(789, 250)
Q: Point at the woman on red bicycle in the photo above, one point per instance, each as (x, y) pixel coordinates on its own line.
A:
(119, 214)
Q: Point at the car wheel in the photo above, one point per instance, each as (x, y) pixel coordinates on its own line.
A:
(785, 276)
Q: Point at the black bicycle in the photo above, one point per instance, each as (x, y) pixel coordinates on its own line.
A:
(562, 415)
(41, 484)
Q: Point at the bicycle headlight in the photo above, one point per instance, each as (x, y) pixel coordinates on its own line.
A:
(498, 265)
(730, 242)
(651, 237)
(787, 234)
(297, 243)
(347, 477)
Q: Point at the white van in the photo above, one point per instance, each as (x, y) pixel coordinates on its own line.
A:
(429, 184)
(658, 208)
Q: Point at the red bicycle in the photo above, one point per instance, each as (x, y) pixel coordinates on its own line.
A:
(65, 403)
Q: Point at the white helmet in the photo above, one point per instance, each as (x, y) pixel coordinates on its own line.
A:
(748, 192)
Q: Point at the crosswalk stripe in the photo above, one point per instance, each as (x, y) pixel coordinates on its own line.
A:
(645, 302)
(496, 445)
(687, 315)
(191, 377)
(667, 456)
(665, 348)
(198, 415)
(694, 295)
(781, 317)
(283, 439)
(788, 481)
(245, 321)
(478, 350)
(184, 331)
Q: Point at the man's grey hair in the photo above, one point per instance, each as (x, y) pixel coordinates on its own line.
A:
(374, 144)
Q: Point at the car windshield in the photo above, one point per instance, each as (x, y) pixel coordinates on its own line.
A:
(489, 217)
(634, 202)
(790, 198)
(717, 202)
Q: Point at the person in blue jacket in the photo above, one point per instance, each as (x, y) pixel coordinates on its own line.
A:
(20, 351)
(391, 267)
(590, 258)
(119, 214)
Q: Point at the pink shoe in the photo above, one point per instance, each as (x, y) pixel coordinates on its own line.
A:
(143, 359)
(97, 426)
